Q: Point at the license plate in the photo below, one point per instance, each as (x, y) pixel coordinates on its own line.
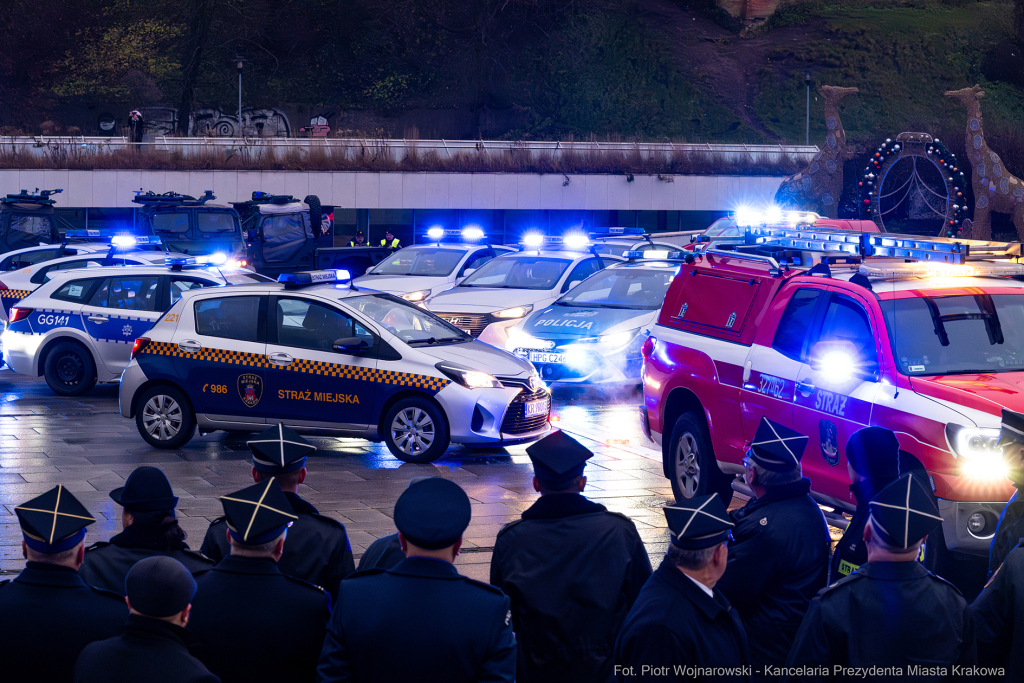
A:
(545, 357)
(535, 408)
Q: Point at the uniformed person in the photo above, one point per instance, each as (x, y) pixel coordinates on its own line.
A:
(680, 618)
(386, 551)
(154, 646)
(872, 460)
(318, 549)
(1011, 522)
(390, 241)
(778, 559)
(997, 617)
(49, 614)
(890, 612)
(571, 569)
(358, 241)
(245, 605)
(421, 620)
(149, 529)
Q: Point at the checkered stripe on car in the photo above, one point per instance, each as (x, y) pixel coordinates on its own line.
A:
(14, 293)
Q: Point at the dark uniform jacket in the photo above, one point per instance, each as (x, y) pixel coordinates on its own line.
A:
(419, 621)
(385, 553)
(674, 622)
(49, 615)
(246, 604)
(997, 617)
(106, 564)
(886, 614)
(777, 563)
(1009, 532)
(851, 552)
(572, 571)
(317, 550)
(149, 650)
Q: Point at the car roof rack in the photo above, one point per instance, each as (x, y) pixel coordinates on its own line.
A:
(259, 198)
(171, 198)
(41, 197)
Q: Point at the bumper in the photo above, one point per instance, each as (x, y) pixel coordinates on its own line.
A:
(494, 416)
(955, 516)
(580, 366)
(131, 379)
(20, 352)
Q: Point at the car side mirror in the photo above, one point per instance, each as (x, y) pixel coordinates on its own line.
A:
(839, 361)
(348, 344)
(468, 271)
(574, 283)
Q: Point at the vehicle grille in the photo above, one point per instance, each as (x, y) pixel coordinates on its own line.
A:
(515, 421)
(472, 323)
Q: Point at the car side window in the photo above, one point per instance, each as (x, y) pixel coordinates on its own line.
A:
(183, 284)
(176, 222)
(75, 291)
(40, 275)
(139, 293)
(234, 317)
(476, 260)
(30, 228)
(791, 334)
(29, 258)
(581, 272)
(308, 325)
(846, 320)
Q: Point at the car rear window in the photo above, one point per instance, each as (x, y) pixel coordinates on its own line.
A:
(235, 317)
(75, 291)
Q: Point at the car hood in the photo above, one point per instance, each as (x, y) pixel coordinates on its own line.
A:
(560, 322)
(399, 284)
(477, 355)
(987, 393)
(485, 299)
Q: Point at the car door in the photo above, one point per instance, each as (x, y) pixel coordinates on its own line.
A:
(121, 309)
(283, 237)
(219, 349)
(832, 403)
(179, 284)
(310, 382)
(25, 230)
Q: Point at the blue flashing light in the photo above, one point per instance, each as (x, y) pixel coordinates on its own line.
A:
(632, 254)
(472, 232)
(625, 231)
(179, 261)
(435, 232)
(218, 258)
(533, 239)
(82, 234)
(575, 240)
(123, 241)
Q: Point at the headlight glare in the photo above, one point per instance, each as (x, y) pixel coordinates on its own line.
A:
(978, 454)
(417, 296)
(471, 379)
(514, 312)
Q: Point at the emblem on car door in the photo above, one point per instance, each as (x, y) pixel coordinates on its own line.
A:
(250, 389)
(829, 441)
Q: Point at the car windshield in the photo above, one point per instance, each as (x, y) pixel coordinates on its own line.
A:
(215, 221)
(518, 272)
(957, 335)
(412, 324)
(621, 288)
(612, 248)
(723, 227)
(428, 261)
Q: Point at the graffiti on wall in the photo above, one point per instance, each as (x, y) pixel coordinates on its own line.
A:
(214, 123)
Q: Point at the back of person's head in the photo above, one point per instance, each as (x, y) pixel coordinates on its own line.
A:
(874, 453)
(159, 587)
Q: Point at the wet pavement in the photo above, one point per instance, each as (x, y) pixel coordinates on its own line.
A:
(85, 444)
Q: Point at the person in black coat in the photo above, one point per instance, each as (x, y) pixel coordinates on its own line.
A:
(1010, 529)
(872, 459)
(890, 612)
(997, 618)
(421, 620)
(679, 618)
(318, 549)
(49, 614)
(571, 569)
(154, 646)
(245, 603)
(778, 559)
(384, 553)
(149, 530)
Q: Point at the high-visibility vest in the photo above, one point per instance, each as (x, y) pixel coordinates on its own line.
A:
(394, 243)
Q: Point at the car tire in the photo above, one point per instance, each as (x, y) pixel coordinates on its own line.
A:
(692, 468)
(164, 417)
(415, 431)
(69, 369)
(315, 213)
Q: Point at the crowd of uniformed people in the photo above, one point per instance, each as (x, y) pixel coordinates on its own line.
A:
(273, 593)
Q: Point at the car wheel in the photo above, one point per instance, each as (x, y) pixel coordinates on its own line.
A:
(164, 417)
(69, 369)
(692, 468)
(415, 431)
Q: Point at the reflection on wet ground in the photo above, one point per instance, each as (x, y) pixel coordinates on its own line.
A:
(85, 444)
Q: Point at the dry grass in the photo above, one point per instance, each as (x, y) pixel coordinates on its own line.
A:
(377, 155)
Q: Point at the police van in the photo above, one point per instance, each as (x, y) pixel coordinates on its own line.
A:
(28, 219)
(418, 272)
(323, 356)
(506, 289)
(191, 226)
(79, 326)
(593, 333)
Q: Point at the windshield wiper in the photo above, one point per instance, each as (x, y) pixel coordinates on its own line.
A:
(987, 313)
(435, 340)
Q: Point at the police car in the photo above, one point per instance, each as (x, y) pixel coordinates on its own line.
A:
(78, 328)
(505, 290)
(415, 273)
(593, 333)
(26, 258)
(326, 357)
(15, 285)
(614, 241)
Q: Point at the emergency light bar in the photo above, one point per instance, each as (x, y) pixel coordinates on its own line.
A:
(656, 254)
(898, 271)
(570, 241)
(313, 277)
(612, 232)
(119, 240)
(469, 233)
(181, 261)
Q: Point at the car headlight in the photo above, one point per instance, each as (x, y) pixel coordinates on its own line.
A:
(978, 454)
(619, 338)
(519, 339)
(471, 379)
(417, 296)
(514, 312)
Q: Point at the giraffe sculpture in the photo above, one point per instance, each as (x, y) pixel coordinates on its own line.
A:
(995, 188)
(818, 187)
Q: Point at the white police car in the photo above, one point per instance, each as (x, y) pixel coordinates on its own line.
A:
(615, 241)
(593, 334)
(417, 272)
(505, 290)
(331, 359)
(79, 327)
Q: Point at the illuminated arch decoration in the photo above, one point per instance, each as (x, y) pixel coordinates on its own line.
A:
(918, 148)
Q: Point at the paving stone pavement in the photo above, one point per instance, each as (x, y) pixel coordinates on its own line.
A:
(85, 444)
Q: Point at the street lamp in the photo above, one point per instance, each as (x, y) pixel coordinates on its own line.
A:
(807, 81)
(239, 61)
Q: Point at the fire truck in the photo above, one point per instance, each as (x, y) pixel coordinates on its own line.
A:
(829, 331)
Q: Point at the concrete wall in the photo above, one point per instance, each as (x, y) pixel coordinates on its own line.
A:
(110, 189)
